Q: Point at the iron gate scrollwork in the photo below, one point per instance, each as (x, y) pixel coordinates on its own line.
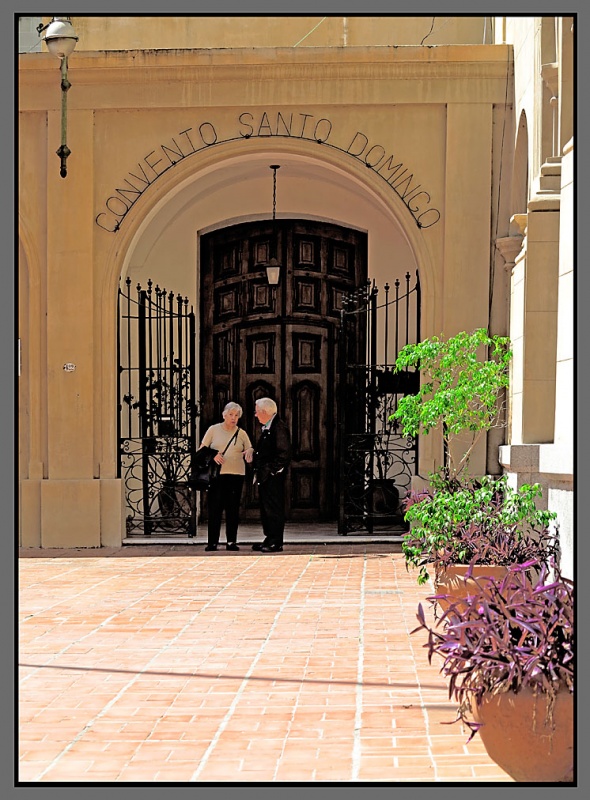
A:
(157, 411)
(377, 461)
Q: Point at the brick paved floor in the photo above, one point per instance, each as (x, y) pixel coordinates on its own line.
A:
(160, 663)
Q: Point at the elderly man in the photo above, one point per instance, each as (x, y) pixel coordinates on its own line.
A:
(271, 459)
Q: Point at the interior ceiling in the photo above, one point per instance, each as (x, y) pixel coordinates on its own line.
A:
(256, 170)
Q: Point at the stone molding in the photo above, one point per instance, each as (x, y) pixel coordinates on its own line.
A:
(440, 74)
(545, 459)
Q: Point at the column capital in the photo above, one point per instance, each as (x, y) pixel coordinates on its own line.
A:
(509, 247)
(550, 75)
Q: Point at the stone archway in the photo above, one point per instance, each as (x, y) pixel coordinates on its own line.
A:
(159, 238)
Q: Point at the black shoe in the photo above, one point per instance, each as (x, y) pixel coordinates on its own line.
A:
(258, 545)
(231, 546)
(211, 547)
(271, 548)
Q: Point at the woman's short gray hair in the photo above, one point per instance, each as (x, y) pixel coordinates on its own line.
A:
(268, 404)
(232, 407)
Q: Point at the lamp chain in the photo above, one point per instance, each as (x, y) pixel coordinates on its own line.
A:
(273, 267)
(274, 192)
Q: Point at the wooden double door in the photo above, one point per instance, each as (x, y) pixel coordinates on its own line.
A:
(280, 341)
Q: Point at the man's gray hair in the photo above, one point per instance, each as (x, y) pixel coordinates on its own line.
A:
(268, 404)
(232, 407)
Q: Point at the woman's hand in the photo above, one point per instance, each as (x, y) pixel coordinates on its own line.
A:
(219, 459)
(249, 455)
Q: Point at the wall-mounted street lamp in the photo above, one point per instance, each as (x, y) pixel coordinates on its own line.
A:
(273, 268)
(61, 38)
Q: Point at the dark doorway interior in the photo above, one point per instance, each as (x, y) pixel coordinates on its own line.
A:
(280, 341)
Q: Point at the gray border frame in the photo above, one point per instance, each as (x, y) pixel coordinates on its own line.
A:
(8, 482)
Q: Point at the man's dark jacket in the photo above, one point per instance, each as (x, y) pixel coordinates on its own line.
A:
(273, 451)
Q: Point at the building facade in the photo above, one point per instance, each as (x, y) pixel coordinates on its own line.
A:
(436, 148)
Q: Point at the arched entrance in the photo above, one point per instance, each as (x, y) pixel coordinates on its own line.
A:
(280, 341)
(160, 241)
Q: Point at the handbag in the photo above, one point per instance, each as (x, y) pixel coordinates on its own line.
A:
(203, 465)
(205, 469)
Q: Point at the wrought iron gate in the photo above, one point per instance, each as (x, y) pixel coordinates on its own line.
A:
(157, 411)
(376, 461)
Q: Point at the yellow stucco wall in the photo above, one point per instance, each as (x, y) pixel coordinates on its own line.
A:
(281, 30)
(438, 113)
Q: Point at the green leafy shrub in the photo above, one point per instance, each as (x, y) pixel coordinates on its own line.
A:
(458, 391)
(460, 519)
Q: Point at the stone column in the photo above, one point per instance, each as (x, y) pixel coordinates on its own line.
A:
(564, 389)
(70, 495)
(509, 248)
(540, 320)
(467, 220)
(550, 461)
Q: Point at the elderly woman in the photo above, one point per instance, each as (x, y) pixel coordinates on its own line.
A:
(225, 492)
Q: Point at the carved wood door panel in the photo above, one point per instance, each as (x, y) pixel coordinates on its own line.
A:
(280, 341)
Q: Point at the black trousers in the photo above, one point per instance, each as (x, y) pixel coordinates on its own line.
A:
(272, 508)
(224, 494)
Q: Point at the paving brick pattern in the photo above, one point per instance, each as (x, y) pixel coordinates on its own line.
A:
(166, 664)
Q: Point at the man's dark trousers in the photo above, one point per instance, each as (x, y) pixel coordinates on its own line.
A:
(272, 508)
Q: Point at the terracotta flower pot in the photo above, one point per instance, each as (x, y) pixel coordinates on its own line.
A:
(527, 739)
(453, 581)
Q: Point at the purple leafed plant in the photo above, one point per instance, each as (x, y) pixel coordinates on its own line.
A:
(500, 545)
(510, 634)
